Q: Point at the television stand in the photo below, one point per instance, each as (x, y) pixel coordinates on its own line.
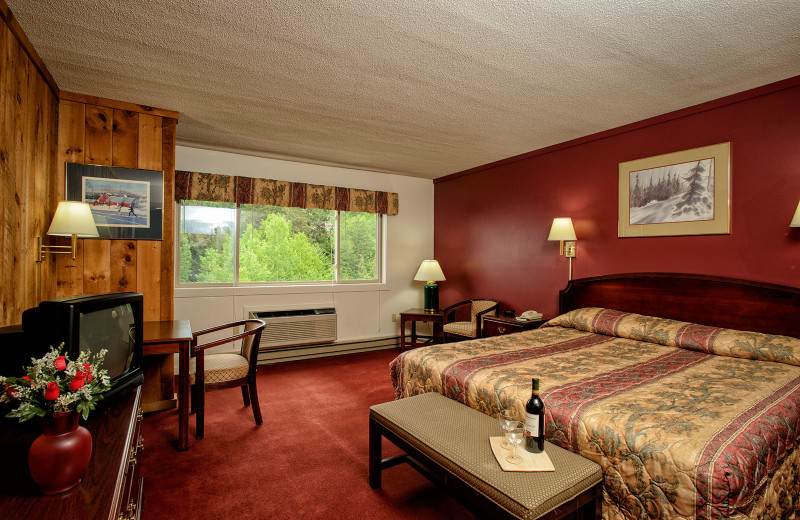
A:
(111, 486)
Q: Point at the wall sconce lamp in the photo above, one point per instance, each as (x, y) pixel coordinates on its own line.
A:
(562, 230)
(72, 219)
(796, 219)
(430, 272)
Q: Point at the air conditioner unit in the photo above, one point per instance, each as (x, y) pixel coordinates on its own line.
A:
(297, 327)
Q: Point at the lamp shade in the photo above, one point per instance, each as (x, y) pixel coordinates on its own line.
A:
(429, 271)
(562, 230)
(796, 218)
(73, 218)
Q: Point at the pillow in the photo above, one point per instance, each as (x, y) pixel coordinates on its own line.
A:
(712, 340)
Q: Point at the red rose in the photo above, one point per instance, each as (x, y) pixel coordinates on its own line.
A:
(28, 379)
(77, 382)
(51, 392)
(87, 371)
(61, 363)
(12, 392)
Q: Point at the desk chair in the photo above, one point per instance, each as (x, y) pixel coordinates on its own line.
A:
(216, 371)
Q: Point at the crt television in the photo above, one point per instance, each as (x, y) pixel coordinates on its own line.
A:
(89, 322)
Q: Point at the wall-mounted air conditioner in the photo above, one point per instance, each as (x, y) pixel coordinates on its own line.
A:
(297, 327)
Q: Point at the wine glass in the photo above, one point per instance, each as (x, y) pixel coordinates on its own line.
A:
(507, 417)
(515, 433)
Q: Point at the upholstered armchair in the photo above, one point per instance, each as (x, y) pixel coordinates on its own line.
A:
(459, 330)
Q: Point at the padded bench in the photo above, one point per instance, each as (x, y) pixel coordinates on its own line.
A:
(448, 442)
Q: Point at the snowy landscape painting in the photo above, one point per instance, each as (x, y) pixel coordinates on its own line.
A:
(676, 193)
(679, 193)
(126, 203)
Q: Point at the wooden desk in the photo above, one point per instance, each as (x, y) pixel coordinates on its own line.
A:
(165, 338)
(415, 315)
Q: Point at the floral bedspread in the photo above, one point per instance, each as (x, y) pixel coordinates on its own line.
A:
(687, 421)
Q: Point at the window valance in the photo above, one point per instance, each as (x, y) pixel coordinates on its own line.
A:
(251, 190)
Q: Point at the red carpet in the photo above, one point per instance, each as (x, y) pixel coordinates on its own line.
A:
(308, 459)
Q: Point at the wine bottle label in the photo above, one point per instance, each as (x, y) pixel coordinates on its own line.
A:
(531, 425)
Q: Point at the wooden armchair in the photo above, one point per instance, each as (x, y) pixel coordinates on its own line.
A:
(459, 330)
(216, 371)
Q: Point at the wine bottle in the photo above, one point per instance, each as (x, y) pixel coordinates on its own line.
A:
(534, 421)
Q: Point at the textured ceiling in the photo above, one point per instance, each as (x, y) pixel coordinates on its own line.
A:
(418, 87)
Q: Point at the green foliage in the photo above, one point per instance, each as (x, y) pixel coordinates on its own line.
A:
(186, 259)
(279, 244)
(357, 237)
(216, 261)
(272, 252)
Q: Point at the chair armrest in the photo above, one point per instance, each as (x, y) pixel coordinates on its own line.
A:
(218, 327)
(479, 319)
(229, 339)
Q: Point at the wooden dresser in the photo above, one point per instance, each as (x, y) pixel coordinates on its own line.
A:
(111, 488)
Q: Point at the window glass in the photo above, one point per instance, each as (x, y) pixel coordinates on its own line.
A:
(278, 244)
(275, 244)
(358, 240)
(207, 246)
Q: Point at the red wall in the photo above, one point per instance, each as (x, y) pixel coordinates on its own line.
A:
(491, 222)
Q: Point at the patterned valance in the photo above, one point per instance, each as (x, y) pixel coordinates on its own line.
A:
(251, 190)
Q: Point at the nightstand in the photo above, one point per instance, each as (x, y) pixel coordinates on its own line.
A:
(499, 325)
(415, 315)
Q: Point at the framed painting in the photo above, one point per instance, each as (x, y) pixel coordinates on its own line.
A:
(126, 203)
(680, 193)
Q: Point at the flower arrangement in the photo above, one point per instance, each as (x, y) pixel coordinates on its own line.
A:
(55, 384)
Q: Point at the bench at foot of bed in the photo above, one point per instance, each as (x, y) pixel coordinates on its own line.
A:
(448, 442)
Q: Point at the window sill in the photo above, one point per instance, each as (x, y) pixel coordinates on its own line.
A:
(197, 292)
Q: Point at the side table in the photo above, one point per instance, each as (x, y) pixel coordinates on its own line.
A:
(415, 315)
(161, 340)
(500, 325)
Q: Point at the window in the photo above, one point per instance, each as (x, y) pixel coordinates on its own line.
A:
(226, 243)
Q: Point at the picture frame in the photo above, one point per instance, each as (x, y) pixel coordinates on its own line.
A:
(126, 203)
(674, 194)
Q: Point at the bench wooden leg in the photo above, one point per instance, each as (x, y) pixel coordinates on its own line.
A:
(374, 454)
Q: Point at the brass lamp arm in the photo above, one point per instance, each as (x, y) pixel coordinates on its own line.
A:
(42, 249)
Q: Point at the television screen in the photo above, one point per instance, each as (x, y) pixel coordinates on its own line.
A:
(112, 329)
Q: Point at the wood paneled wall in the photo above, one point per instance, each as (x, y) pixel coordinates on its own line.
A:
(107, 132)
(41, 128)
(27, 160)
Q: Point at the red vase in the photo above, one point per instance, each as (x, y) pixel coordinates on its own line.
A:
(58, 458)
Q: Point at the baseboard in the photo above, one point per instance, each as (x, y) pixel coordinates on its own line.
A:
(338, 348)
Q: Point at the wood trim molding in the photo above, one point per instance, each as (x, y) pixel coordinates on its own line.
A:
(16, 29)
(120, 105)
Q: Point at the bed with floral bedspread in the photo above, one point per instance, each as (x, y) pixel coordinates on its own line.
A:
(687, 421)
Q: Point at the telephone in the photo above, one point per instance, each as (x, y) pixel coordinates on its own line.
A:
(529, 316)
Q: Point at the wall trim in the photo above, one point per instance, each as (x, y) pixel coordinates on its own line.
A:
(669, 116)
(121, 105)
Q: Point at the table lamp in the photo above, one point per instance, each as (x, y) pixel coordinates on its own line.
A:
(430, 272)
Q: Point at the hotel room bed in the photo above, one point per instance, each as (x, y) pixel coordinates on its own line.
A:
(688, 419)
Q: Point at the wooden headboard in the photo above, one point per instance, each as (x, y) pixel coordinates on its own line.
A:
(707, 300)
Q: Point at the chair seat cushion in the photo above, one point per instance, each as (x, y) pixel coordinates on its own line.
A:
(220, 367)
(462, 328)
